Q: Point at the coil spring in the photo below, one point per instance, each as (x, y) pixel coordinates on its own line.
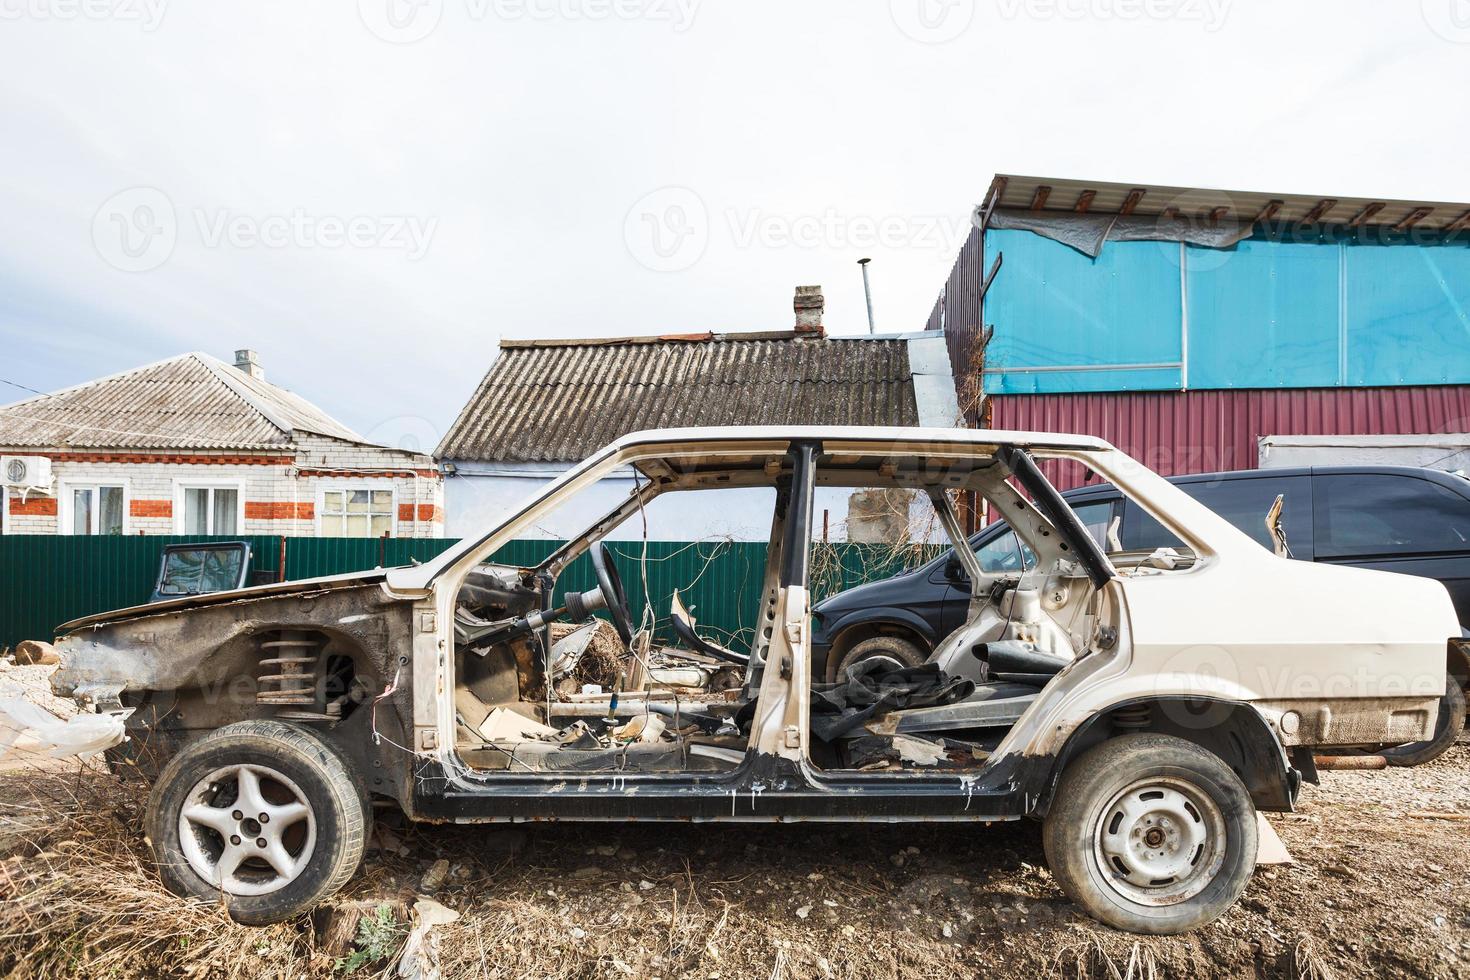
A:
(1132, 718)
(288, 670)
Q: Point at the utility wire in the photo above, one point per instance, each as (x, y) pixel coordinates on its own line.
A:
(17, 384)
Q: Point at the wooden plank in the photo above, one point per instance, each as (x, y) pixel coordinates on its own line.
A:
(1318, 210)
(1457, 224)
(1268, 212)
(1084, 201)
(1131, 201)
(1365, 214)
(993, 195)
(1038, 200)
(990, 276)
(1218, 215)
(1413, 218)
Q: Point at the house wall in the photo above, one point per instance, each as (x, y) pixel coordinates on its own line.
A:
(279, 493)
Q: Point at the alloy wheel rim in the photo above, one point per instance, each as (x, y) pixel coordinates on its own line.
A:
(247, 829)
(1160, 841)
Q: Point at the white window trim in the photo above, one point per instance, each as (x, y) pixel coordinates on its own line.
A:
(64, 511)
(323, 486)
(180, 485)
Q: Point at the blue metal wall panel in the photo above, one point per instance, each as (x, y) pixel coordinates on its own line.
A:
(1406, 314)
(1055, 308)
(1263, 315)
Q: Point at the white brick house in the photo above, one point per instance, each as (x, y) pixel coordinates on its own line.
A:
(192, 445)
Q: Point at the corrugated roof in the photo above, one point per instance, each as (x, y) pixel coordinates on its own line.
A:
(1050, 194)
(560, 401)
(192, 401)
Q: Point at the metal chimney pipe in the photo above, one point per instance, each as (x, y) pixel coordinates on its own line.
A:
(868, 292)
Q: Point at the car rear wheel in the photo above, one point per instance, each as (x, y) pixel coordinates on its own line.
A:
(1448, 726)
(264, 814)
(894, 649)
(1151, 834)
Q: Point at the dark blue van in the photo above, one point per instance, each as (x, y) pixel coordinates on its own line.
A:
(1391, 518)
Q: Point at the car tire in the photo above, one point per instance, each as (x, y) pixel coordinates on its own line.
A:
(1447, 729)
(1151, 834)
(895, 648)
(262, 815)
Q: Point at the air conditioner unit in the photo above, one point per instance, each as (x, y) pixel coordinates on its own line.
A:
(26, 472)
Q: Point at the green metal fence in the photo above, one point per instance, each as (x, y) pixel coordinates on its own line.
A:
(47, 580)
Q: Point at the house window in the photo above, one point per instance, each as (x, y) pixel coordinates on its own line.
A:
(350, 513)
(211, 510)
(97, 510)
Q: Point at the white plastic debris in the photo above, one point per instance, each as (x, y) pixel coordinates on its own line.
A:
(918, 751)
(29, 728)
(420, 959)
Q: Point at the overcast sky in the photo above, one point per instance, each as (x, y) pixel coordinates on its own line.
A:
(371, 193)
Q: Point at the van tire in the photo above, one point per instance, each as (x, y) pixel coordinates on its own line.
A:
(1117, 797)
(298, 767)
(894, 648)
(1447, 729)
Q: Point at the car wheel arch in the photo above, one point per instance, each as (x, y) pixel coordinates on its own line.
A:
(1232, 730)
(872, 623)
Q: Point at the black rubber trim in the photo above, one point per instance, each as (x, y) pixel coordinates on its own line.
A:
(795, 546)
(1062, 517)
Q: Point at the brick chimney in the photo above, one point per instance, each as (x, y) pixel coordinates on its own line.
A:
(247, 362)
(809, 306)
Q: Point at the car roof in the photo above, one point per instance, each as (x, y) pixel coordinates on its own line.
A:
(984, 437)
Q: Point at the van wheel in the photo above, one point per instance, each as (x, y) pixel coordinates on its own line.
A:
(1151, 834)
(900, 652)
(1447, 728)
(263, 814)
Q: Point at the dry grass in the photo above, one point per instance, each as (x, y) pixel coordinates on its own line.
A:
(78, 898)
(78, 895)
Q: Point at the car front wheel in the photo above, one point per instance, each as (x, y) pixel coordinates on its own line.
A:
(263, 813)
(1151, 834)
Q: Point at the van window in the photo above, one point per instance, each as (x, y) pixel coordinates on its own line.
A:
(1243, 503)
(1005, 552)
(1361, 514)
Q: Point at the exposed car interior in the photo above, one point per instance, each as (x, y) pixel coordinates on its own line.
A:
(554, 681)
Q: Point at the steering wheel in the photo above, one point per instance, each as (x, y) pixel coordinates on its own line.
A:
(611, 584)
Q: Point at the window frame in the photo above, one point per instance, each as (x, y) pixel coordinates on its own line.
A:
(338, 486)
(182, 486)
(66, 513)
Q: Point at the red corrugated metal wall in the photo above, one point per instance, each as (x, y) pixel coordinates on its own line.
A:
(1175, 433)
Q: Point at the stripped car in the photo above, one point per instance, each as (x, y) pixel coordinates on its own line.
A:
(1144, 707)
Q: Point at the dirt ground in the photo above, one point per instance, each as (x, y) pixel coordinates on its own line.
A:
(1378, 888)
